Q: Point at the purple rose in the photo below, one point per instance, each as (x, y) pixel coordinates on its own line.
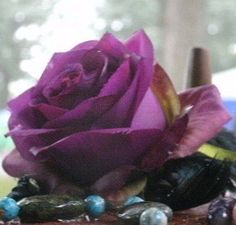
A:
(103, 109)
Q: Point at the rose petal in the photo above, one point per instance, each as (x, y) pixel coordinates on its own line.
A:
(165, 145)
(87, 45)
(119, 81)
(131, 188)
(112, 181)
(206, 118)
(140, 44)
(149, 114)
(84, 114)
(16, 166)
(86, 156)
(165, 94)
(50, 111)
(28, 140)
(122, 113)
(112, 46)
(49, 180)
(56, 65)
(22, 112)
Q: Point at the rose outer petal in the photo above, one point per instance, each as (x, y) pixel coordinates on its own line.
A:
(87, 45)
(110, 45)
(140, 44)
(86, 156)
(165, 144)
(207, 115)
(22, 112)
(29, 140)
(113, 180)
(50, 181)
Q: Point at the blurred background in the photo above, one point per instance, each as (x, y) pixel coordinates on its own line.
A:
(31, 31)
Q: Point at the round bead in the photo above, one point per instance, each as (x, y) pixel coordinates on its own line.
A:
(133, 199)
(153, 216)
(95, 205)
(8, 209)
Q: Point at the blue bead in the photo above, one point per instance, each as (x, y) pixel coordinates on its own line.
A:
(133, 199)
(95, 205)
(8, 209)
(153, 216)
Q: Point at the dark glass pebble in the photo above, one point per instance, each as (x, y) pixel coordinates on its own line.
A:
(221, 211)
(130, 214)
(188, 182)
(45, 208)
(26, 186)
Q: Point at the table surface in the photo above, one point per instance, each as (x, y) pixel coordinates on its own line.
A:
(179, 219)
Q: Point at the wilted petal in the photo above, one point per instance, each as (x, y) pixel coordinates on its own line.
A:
(133, 187)
(112, 181)
(207, 115)
(87, 156)
(165, 94)
(140, 44)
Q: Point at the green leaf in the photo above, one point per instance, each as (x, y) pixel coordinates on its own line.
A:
(218, 152)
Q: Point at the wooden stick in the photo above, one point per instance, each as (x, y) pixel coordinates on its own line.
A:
(199, 68)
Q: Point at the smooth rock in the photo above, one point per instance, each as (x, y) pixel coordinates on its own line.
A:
(130, 214)
(45, 208)
(153, 216)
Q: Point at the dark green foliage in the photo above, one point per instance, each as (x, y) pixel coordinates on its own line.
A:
(26, 186)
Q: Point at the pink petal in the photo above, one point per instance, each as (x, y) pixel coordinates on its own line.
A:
(207, 116)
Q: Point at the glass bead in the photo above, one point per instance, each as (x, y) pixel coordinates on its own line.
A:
(8, 209)
(133, 199)
(153, 216)
(95, 205)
